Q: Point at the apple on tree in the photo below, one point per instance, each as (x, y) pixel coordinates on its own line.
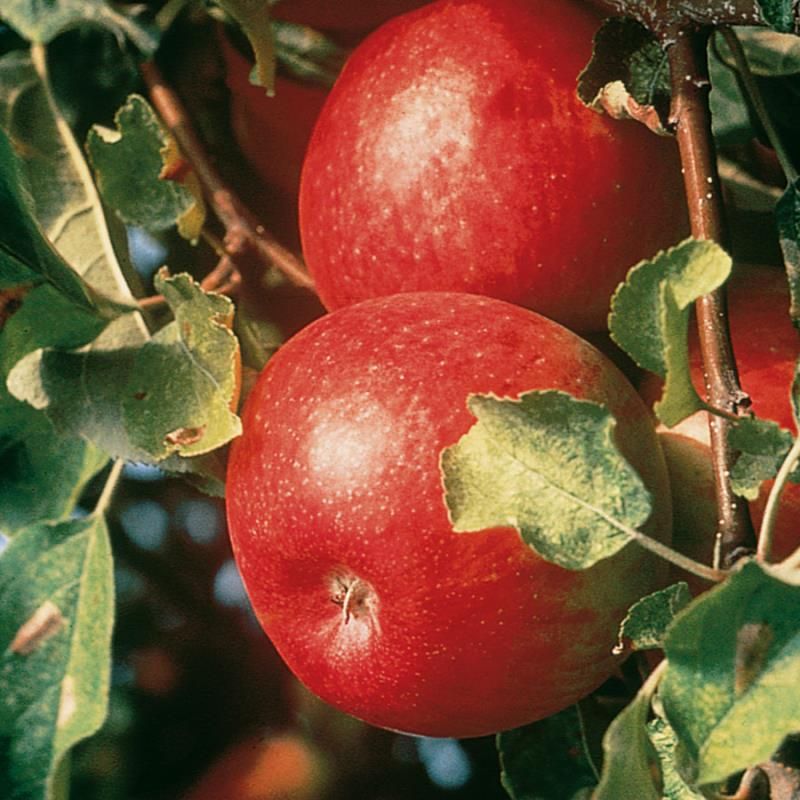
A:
(766, 347)
(454, 154)
(339, 525)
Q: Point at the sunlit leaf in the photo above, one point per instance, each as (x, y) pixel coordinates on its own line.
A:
(547, 465)
(650, 317)
(142, 175)
(734, 656)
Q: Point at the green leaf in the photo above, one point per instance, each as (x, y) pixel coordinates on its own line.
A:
(197, 350)
(734, 658)
(628, 64)
(26, 256)
(763, 446)
(41, 22)
(668, 749)
(129, 163)
(63, 200)
(253, 18)
(308, 54)
(171, 396)
(650, 317)
(548, 760)
(32, 456)
(649, 618)
(63, 195)
(780, 14)
(258, 339)
(787, 216)
(769, 53)
(731, 120)
(631, 763)
(545, 464)
(56, 593)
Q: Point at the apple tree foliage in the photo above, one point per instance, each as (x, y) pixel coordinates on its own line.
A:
(89, 379)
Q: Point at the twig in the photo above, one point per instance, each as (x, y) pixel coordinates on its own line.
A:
(666, 17)
(244, 236)
(691, 118)
(757, 101)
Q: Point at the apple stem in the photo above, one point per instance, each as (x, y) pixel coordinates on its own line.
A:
(690, 117)
(757, 102)
(765, 535)
(245, 238)
(678, 559)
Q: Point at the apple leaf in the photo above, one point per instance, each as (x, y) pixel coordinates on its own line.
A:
(650, 317)
(649, 618)
(254, 19)
(58, 193)
(308, 54)
(669, 752)
(33, 455)
(171, 396)
(628, 75)
(42, 22)
(545, 464)
(28, 259)
(763, 446)
(769, 53)
(730, 691)
(132, 163)
(258, 339)
(787, 216)
(547, 760)
(631, 762)
(780, 14)
(56, 592)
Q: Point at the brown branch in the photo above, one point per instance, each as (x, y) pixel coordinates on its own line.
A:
(666, 17)
(691, 118)
(245, 237)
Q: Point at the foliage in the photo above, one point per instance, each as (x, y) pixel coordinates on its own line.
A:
(89, 374)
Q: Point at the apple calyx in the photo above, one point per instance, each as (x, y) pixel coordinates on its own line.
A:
(357, 598)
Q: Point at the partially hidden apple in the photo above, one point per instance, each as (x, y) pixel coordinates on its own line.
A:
(282, 766)
(766, 347)
(272, 134)
(454, 154)
(339, 525)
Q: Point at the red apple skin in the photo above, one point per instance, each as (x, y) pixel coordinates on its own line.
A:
(273, 132)
(336, 483)
(454, 154)
(766, 347)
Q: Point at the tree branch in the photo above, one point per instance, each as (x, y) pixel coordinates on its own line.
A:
(666, 17)
(245, 237)
(691, 118)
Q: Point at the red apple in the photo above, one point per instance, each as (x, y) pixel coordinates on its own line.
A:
(766, 347)
(272, 134)
(341, 533)
(454, 154)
